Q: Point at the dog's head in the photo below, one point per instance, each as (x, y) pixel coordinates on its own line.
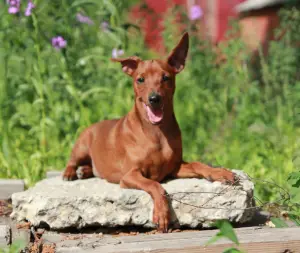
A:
(154, 81)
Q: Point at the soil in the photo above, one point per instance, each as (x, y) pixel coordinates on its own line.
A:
(5, 207)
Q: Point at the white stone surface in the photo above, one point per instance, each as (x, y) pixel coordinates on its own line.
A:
(95, 202)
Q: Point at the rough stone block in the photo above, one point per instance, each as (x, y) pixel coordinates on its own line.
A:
(95, 202)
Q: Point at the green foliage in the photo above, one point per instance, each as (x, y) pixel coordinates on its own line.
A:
(294, 206)
(291, 203)
(230, 114)
(15, 247)
(279, 223)
(48, 96)
(232, 250)
(294, 181)
(226, 231)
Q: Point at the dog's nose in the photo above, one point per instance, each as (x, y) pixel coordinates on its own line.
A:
(154, 99)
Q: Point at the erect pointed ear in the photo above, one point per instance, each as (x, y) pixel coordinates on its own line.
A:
(129, 65)
(178, 55)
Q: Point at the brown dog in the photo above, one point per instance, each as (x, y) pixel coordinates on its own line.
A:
(144, 147)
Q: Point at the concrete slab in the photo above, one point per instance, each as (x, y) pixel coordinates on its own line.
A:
(53, 173)
(10, 186)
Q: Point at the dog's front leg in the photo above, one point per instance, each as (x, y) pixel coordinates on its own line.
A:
(200, 170)
(134, 179)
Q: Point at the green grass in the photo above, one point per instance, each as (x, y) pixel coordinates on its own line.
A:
(230, 114)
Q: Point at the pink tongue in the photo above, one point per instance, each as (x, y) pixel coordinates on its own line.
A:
(154, 116)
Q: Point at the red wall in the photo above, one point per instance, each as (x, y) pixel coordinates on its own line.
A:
(150, 19)
(225, 13)
(151, 22)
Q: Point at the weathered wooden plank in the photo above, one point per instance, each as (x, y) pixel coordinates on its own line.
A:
(20, 235)
(204, 234)
(5, 235)
(252, 240)
(5, 220)
(10, 186)
(15, 233)
(261, 247)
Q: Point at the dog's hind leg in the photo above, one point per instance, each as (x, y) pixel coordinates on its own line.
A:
(79, 166)
(80, 156)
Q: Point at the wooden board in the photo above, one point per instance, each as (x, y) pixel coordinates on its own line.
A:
(5, 235)
(15, 233)
(262, 240)
(261, 247)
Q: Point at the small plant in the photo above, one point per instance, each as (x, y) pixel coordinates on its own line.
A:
(290, 208)
(226, 231)
(16, 247)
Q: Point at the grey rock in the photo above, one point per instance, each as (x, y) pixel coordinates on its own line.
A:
(95, 202)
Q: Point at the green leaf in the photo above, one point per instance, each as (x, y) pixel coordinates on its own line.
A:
(295, 195)
(279, 223)
(215, 238)
(17, 246)
(71, 90)
(226, 231)
(110, 6)
(94, 91)
(232, 250)
(84, 2)
(295, 219)
(294, 179)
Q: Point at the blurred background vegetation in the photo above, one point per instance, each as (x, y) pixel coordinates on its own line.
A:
(232, 113)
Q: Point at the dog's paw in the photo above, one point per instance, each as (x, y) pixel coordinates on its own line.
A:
(222, 175)
(80, 172)
(84, 172)
(69, 174)
(161, 216)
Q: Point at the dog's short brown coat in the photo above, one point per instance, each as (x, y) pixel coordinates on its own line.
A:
(136, 152)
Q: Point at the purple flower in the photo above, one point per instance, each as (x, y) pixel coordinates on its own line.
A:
(104, 26)
(84, 19)
(59, 42)
(116, 53)
(14, 6)
(29, 7)
(195, 12)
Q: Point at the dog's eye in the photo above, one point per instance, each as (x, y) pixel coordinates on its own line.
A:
(165, 78)
(141, 80)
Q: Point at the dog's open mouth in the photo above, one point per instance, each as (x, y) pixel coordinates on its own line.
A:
(155, 116)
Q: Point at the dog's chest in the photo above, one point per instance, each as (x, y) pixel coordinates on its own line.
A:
(160, 159)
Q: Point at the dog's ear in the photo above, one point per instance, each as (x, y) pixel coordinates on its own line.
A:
(129, 65)
(178, 55)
